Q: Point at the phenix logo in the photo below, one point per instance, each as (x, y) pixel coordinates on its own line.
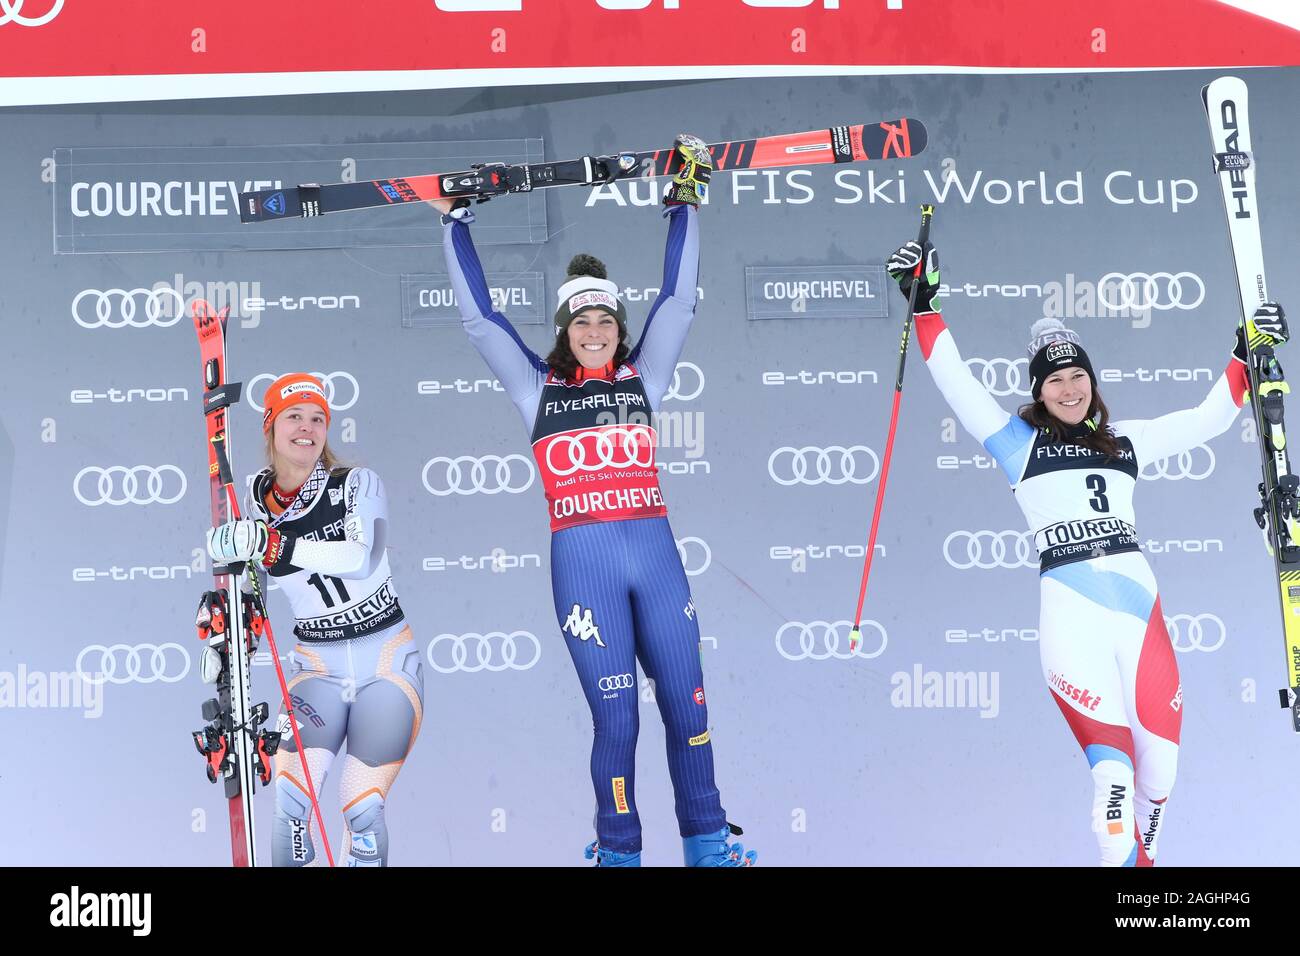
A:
(581, 626)
(1081, 694)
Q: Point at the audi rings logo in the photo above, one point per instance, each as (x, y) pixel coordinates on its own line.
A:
(834, 465)
(1195, 632)
(1196, 464)
(467, 475)
(119, 308)
(989, 549)
(617, 682)
(696, 555)
(11, 11)
(137, 485)
(494, 651)
(1001, 377)
(612, 447)
(822, 640)
(694, 377)
(133, 663)
(1143, 291)
(337, 386)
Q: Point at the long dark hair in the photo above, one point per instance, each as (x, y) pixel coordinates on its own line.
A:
(1100, 439)
(565, 364)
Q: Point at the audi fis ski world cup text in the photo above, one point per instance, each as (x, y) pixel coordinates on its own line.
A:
(851, 186)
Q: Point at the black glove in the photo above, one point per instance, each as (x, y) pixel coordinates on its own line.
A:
(902, 267)
(1266, 327)
(691, 183)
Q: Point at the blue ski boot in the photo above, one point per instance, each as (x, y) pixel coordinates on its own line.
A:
(712, 849)
(604, 857)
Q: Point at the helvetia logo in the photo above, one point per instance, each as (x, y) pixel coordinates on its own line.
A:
(1149, 837)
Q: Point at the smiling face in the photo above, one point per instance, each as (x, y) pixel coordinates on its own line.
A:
(593, 337)
(298, 435)
(1067, 395)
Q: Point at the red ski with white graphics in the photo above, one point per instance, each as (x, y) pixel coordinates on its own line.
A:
(888, 139)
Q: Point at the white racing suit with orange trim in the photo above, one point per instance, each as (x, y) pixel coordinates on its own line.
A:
(355, 674)
(1106, 653)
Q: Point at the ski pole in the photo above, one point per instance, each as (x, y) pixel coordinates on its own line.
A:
(855, 636)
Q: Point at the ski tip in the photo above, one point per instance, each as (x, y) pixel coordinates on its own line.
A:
(204, 315)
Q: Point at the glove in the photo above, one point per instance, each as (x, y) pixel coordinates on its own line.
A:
(459, 212)
(691, 183)
(1267, 327)
(247, 540)
(902, 267)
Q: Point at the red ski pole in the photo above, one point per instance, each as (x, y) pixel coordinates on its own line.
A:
(855, 636)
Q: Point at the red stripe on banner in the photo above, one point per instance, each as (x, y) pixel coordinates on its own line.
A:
(148, 37)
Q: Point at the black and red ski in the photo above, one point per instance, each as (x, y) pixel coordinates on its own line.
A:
(232, 741)
(231, 623)
(889, 139)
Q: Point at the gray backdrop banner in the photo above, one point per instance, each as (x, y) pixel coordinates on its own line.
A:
(1087, 197)
(162, 198)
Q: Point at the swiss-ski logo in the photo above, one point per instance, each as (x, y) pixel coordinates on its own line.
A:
(274, 204)
(581, 626)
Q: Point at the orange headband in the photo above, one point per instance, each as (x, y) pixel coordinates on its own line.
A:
(292, 389)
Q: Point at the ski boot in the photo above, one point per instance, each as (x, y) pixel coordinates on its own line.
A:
(605, 857)
(712, 849)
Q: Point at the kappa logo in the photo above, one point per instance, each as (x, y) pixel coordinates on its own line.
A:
(581, 626)
(1061, 350)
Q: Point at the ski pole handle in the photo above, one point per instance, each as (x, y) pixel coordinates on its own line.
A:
(927, 213)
